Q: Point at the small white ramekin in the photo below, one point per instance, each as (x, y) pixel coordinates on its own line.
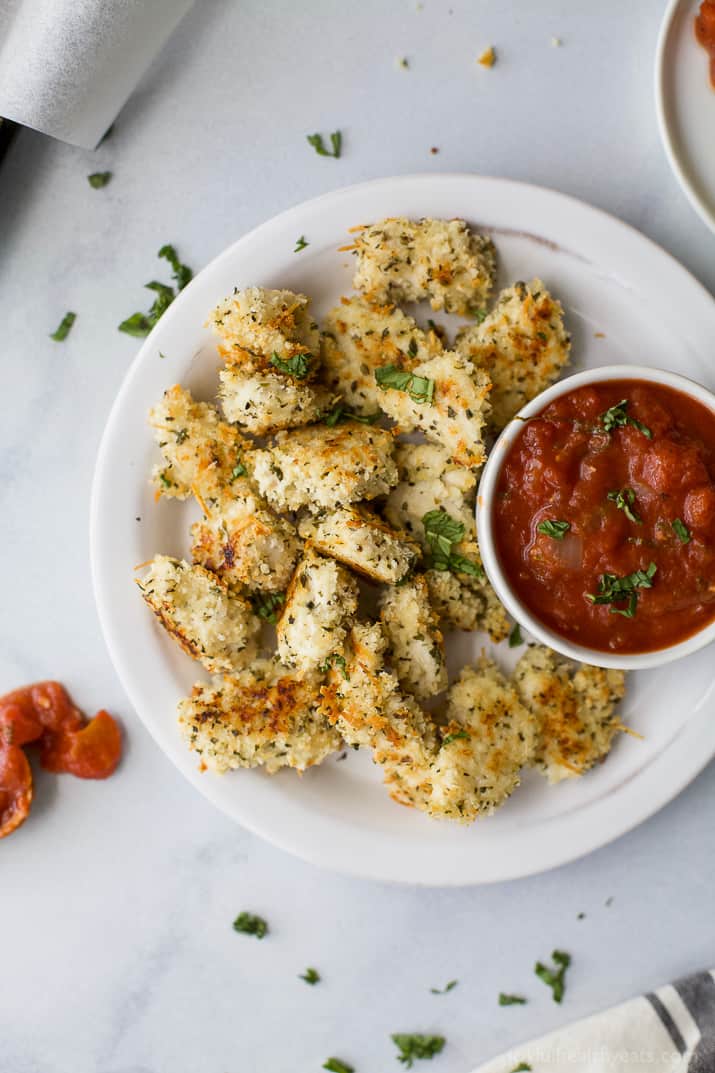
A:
(485, 520)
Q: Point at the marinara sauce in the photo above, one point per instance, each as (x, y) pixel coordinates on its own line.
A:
(604, 516)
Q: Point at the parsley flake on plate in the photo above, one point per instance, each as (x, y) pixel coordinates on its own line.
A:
(617, 417)
(298, 366)
(444, 990)
(523, 1067)
(419, 388)
(98, 179)
(624, 500)
(681, 531)
(250, 924)
(554, 977)
(442, 532)
(511, 1000)
(335, 1065)
(613, 589)
(300, 244)
(336, 141)
(65, 326)
(311, 976)
(266, 604)
(553, 528)
(413, 1045)
(515, 638)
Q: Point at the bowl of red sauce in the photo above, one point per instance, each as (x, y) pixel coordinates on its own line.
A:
(596, 517)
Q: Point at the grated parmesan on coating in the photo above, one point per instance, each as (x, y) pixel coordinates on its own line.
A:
(362, 541)
(321, 600)
(416, 645)
(264, 402)
(256, 323)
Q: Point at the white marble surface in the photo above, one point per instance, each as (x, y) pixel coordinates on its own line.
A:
(116, 899)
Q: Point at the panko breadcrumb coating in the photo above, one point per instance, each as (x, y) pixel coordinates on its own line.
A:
(266, 402)
(318, 466)
(415, 641)
(456, 415)
(201, 452)
(408, 260)
(358, 336)
(244, 541)
(463, 602)
(195, 607)
(321, 600)
(257, 323)
(522, 344)
(263, 717)
(362, 541)
(574, 711)
(429, 480)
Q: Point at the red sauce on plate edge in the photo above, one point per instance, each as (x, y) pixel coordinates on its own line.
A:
(705, 32)
(562, 467)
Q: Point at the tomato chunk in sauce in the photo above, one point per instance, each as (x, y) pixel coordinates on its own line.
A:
(604, 516)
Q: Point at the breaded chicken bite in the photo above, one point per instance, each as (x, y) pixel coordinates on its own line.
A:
(264, 329)
(463, 602)
(321, 600)
(574, 710)
(362, 541)
(404, 260)
(264, 717)
(244, 541)
(446, 398)
(358, 337)
(522, 344)
(201, 452)
(488, 738)
(318, 466)
(429, 480)
(195, 607)
(415, 641)
(268, 402)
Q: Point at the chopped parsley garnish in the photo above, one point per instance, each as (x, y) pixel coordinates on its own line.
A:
(443, 991)
(266, 604)
(250, 924)
(335, 1065)
(442, 532)
(617, 417)
(239, 470)
(311, 976)
(336, 141)
(554, 977)
(555, 529)
(65, 326)
(341, 412)
(414, 1045)
(98, 179)
(523, 1067)
(297, 366)
(515, 638)
(336, 660)
(140, 324)
(613, 590)
(458, 735)
(681, 531)
(624, 501)
(419, 388)
(300, 244)
(480, 315)
(511, 1000)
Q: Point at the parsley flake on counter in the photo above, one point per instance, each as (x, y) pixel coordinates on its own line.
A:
(442, 532)
(266, 604)
(555, 529)
(298, 366)
(413, 1045)
(64, 328)
(613, 590)
(681, 531)
(250, 924)
(300, 244)
(335, 1065)
(617, 417)
(341, 412)
(336, 141)
(140, 324)
(523, 1067)
(311, 976)
(419, 388)
(443, 991)
(624, 500)
(511, 1000)
(515, 638)
(554, 977)
(98, 179)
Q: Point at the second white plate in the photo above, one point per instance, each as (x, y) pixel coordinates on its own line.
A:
(626, 301)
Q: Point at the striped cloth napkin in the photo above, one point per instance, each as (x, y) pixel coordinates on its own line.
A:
(671, 1030)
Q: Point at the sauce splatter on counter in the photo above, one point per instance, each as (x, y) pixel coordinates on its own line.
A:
(705, 32)
(43, 714)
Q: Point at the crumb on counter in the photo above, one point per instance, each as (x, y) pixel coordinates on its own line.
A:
(488, 58)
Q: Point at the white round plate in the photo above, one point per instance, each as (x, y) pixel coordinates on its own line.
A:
(626, 301)
(685, 103)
